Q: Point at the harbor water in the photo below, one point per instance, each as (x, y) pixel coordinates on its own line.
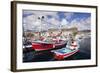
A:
(83, 53)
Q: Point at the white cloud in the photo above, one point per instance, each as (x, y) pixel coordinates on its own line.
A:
(45, 13)
(64, 22)
(27, 12)
(31, 22)
(53, 21)
(83, 24)
(68, 15)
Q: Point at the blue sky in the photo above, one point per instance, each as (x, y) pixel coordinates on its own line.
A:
(54, 19)
(74, 16)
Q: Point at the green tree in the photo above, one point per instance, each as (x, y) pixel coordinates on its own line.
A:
(74, 34)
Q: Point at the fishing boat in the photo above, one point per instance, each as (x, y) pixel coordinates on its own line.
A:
(40, 45)
(44, 44)
(66, 51)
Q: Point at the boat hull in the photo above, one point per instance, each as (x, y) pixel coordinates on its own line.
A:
(59, 54)
(47, 46)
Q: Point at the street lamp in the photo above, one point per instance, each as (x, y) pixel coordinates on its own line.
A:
(41, 19)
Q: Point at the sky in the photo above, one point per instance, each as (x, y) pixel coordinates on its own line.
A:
(32, 20)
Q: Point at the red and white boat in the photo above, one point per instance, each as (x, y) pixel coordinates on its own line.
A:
(41, 46)
(61, 55)
(66, 51)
